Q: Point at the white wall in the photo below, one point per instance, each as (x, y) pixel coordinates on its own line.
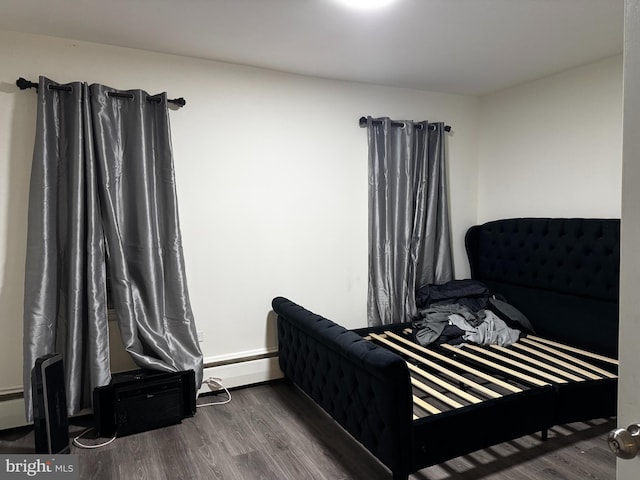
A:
(553, 147)
(272, 183)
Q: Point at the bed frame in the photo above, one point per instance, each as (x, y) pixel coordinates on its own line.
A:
(413, 407)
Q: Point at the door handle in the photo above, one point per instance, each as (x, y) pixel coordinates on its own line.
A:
(625, 443)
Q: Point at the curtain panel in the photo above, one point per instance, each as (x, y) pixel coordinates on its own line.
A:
(103, 190)
(409, 234)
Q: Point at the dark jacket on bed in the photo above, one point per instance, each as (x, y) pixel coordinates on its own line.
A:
(469, 293)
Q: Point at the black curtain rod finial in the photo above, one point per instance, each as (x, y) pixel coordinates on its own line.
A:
(23, 84)
(180, 102)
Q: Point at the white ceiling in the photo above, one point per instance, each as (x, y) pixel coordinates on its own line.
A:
(455, 46)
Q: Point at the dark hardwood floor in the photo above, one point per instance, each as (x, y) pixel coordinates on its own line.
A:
(272, 431)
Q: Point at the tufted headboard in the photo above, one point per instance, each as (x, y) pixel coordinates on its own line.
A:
(562, 273)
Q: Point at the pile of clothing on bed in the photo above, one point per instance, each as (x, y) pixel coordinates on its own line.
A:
(465, 311)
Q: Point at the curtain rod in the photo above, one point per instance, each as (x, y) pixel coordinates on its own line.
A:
(23, 84)
(363, 123)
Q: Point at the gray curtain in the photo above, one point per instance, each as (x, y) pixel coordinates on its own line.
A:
(103, 190)
(409, 235)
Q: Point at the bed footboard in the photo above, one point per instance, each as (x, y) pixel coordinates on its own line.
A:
(362, 386)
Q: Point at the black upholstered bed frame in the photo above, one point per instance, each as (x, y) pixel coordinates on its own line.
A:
(413, 407)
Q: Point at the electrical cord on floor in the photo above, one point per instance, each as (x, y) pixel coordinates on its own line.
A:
(77, 443)
(215, 384)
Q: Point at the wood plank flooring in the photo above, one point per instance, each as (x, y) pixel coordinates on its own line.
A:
(272, 431)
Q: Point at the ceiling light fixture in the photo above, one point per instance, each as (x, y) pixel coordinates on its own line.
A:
(366, 4)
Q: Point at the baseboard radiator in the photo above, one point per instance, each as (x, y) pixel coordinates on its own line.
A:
(12, 409)
(243, 369)
(237, 370)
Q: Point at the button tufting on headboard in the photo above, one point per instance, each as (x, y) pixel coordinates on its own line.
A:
(564, 255)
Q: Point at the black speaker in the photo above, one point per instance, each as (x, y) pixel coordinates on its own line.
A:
(50, 420)
(142, 400)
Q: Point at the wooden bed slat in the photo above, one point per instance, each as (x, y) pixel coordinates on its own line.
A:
(501, 368)
(573, 368)
(451, 388)
(571, 358)
(564, 355)
(424, 405)
(539, 363)
(435, 366)
(528, 368)
(435, 394)
(476, 372)
(569, 348)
